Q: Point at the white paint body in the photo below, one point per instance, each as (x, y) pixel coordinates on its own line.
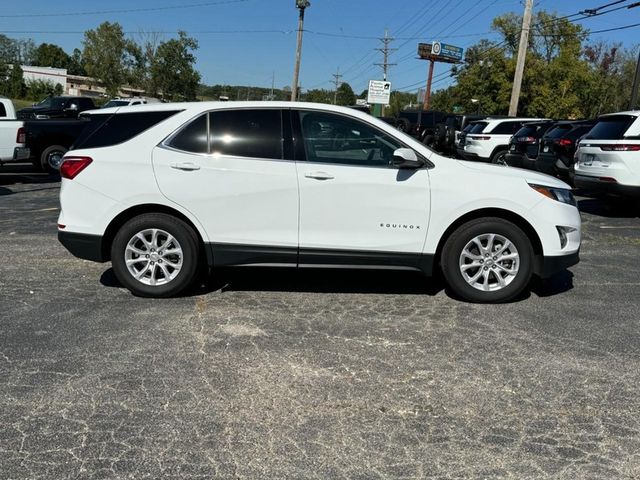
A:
(276, 203)
(9, 127)
(484, 144)
(624, 167)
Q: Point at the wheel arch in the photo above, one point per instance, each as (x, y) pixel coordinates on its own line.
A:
(499, 148)
(131, 212)
(522, 223)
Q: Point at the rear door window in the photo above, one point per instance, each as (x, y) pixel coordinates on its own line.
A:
(193, 137)
(246, 133)
(611, 128)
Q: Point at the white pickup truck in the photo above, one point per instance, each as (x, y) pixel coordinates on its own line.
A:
(12, 134)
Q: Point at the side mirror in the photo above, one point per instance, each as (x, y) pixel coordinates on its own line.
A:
(72, 108)
(406, 158)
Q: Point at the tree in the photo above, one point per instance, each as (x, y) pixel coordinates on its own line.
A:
(14, 86)
(319, 95)
(50, 55)
(173, 68)
(76, 66)
(8, 50)
(345, 95)
(108, 56)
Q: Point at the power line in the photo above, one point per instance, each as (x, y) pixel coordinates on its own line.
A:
(129, 10)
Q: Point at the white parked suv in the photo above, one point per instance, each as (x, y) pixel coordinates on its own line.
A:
(488, 140)
(608, 157)
(129, 101)
(160, 190)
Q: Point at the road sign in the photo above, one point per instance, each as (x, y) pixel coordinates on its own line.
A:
(379, 92)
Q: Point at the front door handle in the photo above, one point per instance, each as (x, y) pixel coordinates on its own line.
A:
(319, 175)
(188, 166)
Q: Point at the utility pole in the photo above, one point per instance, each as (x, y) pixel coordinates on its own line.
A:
(634, 90)
(386, 41)
(337, 76)
(427, 92)
(522, 53)
(300, 5)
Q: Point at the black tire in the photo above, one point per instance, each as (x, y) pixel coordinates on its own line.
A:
(403, 125)
(50, 156)
(429, 141)
(461, 237)
(184, 235)
(498, 157)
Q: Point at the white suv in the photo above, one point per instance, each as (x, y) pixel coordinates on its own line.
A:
(488, 140)
(608, 157)
(161, 190)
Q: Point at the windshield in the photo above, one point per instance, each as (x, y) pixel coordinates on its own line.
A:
(611, 128)
(116, 103)
(53, 102)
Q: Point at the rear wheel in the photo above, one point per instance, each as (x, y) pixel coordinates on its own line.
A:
(155, 255)
(487, 260)
(499, 158)
(51, 158)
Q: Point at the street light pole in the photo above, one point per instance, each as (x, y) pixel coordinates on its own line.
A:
(300, 5)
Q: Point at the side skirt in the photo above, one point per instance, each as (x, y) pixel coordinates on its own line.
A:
(227, 255)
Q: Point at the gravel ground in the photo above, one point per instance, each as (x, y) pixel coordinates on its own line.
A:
(330, 374)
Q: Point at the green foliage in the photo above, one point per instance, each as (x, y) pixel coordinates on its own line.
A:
(76, 65)
(14, 86)
(563, 78)
(319, 95)
(108, 56)
(39, 89)
(241, 92)
(400, 101)
(172, 69)
(50, 55)
(345, 95)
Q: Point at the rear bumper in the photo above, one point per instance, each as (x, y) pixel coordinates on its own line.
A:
(551, 265)
(595, 185)
(520, 160)
(82, 245)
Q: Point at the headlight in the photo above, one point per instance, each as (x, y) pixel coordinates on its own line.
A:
(563, 195)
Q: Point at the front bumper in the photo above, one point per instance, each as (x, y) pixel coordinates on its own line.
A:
(82, 245)
(551, 265)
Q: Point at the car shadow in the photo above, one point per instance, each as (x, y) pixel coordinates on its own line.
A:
(610, 207)
(23, 173)
(382, 282)
(254, 279)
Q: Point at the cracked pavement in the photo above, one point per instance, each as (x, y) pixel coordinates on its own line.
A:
(313, 374)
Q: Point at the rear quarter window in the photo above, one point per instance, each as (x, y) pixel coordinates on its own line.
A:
(104, 130)
(506, 128)
(478, 127)
(3, 111)
(611, 128)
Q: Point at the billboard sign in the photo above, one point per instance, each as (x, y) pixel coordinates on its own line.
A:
(379, 92)
(446, 50)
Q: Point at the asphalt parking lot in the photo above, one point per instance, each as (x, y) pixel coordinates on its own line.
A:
(330, 374)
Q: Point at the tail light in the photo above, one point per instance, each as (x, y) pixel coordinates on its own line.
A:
(623, 147)
(565, 142)
(526, 139)
(21, 136)
(72, 166)
(480, 138)
(607, 179)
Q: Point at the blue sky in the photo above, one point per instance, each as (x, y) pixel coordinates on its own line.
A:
(265, 40)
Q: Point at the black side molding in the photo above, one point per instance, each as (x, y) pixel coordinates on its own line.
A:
(82, 245)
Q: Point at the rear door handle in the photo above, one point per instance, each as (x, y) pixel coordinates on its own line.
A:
(319, 175)
(188, 166)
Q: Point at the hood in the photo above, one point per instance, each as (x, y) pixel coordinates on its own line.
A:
(511, 172)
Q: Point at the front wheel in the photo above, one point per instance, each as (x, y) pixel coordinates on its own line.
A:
(487, 260)
(155, 255)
